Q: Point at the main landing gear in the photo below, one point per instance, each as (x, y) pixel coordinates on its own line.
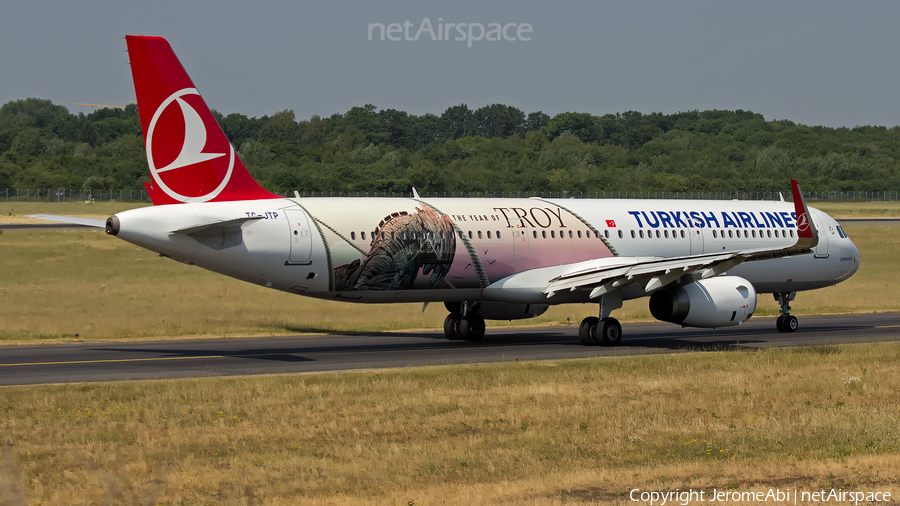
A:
(786, 322)
(463, 323)
(605, 331)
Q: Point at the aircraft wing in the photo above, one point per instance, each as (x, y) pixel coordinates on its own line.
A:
(654, 273)
(88, 222)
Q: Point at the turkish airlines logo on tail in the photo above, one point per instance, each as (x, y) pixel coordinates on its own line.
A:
(803, 223)
(184, 162)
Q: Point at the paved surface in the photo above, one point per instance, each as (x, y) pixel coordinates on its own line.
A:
(93, 361)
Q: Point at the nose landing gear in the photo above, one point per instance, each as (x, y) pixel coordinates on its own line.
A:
(786, 322)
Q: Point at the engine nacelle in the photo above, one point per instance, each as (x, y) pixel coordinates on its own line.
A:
(503, 310)
(721, 301)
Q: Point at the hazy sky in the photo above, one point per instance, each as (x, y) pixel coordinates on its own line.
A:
(812, 62)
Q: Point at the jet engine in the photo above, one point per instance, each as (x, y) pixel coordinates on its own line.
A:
(721, 301)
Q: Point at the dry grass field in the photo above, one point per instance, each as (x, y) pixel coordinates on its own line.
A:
(544, 433)
(58, 283)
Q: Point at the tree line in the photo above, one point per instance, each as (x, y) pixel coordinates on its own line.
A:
(490, 149)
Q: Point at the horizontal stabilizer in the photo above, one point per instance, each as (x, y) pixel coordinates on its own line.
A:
(222, 224)
(75, 220)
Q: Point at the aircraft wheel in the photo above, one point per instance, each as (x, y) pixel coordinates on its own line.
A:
(790, 323)
(587, 331)
(779, 323)
(471, 327)
(610, 332)
(451, 327)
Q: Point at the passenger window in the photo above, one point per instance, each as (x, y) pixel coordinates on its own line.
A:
(489, 234)
(534, 233)
(579, 234)
(498, 234)
(666, 233)
(479, 234)
(746, 235)
(682, 234)
(657, 234)
(641, 232)
(553, 234)
(353, 235)
(362, 235)
(571, 235)
(544, 234)
(731, 233)
(621, 234)
(470, 234)
(632, 234)
(792, 234)
(714, 234)
(769, 234)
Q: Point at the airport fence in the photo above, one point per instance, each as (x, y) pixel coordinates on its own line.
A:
(73, 195)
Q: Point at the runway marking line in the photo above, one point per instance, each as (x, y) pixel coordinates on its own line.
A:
(118, 360)
(245, 355)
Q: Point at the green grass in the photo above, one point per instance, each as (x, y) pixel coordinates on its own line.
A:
(562, 432)
(13, 212)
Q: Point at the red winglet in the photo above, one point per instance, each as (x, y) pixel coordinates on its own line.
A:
(189, 157)
(805, 227)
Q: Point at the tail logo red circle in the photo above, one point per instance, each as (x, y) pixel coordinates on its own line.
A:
(803, 223)
(184, 162)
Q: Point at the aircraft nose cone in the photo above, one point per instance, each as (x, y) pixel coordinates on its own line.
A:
(852, 251)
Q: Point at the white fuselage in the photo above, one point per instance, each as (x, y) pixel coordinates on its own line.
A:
(404, 250)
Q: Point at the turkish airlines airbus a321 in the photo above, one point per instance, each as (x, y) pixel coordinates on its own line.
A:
(701, 263)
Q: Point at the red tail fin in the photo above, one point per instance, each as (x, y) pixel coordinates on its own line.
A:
(190, 158)
(807, 235)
